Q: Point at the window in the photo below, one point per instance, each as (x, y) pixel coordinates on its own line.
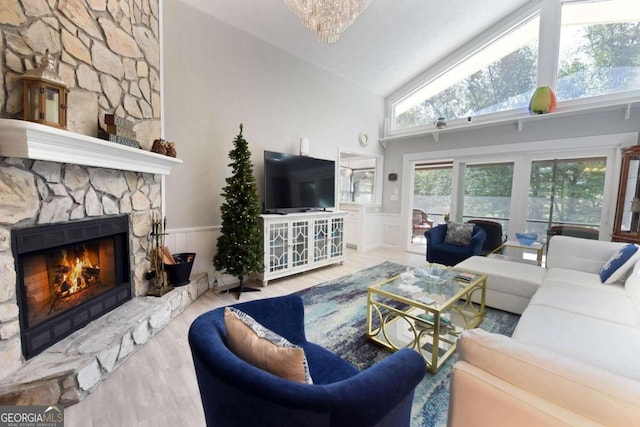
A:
(432, 189)
(595, 53)
(599, 48)
(357, 185)
(567, 191)
(487, 192)
(500, 76)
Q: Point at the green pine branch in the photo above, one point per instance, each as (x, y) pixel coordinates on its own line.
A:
(239, 248)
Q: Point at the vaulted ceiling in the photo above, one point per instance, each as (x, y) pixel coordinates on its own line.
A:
(390, 43)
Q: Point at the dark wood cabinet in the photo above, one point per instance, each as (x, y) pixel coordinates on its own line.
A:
(626, 227)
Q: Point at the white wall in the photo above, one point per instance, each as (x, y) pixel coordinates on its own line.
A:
(216, 77)
(534, 133)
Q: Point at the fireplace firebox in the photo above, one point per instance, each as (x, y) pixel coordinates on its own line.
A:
(69, 274)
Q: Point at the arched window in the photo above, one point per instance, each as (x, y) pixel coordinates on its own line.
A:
(592, 47)
(499, 76)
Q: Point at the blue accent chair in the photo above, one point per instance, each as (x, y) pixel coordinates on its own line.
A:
(235, 393)
(495, 237)
(440, 252)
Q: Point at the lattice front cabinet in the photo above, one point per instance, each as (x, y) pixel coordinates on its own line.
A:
(298, 242)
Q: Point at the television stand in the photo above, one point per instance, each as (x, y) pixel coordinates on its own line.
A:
(301, 241)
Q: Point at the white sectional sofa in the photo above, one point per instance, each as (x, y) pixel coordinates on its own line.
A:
(574, 358)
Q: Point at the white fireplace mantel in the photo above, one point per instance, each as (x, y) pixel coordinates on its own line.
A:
(29, 140)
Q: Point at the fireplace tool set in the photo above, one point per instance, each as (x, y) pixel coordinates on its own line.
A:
(158, 274)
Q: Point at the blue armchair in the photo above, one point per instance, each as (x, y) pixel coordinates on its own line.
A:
(494, 239)
(443, 253)
(235, 393)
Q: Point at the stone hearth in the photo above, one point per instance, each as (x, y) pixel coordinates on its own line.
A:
(50, 176)
(108, 56)
(41, 192)
(69, 370)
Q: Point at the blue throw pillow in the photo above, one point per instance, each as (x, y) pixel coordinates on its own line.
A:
(616, 261)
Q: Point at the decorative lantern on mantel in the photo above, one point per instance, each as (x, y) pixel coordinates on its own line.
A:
(45, 94)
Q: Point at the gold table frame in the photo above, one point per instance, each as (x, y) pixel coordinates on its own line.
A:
(419, 331)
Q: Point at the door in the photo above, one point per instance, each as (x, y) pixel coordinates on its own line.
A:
(432, 195)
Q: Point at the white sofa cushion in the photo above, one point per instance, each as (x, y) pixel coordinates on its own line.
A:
(564, 276)
(600, 303)
(475, 395)
(632, 288)
(611, 346)
(506, 276)
(580, 254)
(569, 383)
(632, 283)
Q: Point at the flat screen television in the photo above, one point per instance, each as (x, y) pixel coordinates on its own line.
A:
(297, 183)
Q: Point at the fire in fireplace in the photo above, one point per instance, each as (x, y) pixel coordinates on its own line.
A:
(58, 279)
(68, 275)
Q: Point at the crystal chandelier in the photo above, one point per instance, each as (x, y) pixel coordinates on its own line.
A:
(327, 18)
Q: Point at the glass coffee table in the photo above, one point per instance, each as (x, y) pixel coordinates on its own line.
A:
(413, 311)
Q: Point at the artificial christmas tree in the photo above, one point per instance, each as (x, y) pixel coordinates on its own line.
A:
(239, 248)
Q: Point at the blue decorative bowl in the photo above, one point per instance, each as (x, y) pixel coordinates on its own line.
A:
(526, 239)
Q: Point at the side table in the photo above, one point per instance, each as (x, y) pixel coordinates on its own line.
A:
(534, 247)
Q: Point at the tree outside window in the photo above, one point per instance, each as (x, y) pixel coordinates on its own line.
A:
(599, 54)
(599, 49)
(432, 189)
(487, 192)
(567, 191)
(499, 77)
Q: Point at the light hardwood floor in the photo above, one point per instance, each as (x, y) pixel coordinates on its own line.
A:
(157, 385)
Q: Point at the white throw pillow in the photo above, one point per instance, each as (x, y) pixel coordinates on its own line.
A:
(632, 287)
(632, 284)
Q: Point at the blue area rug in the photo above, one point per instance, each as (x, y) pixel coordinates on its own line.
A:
(335, 317)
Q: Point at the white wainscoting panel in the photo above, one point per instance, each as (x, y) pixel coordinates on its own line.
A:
(201, 240)
(391, 230)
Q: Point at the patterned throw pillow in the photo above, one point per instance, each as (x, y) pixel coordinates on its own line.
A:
(458, 234)
(263, 348)
(619, 263)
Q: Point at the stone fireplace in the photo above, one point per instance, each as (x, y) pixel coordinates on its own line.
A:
(67, 275)
(69, 201)
(108, 54)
